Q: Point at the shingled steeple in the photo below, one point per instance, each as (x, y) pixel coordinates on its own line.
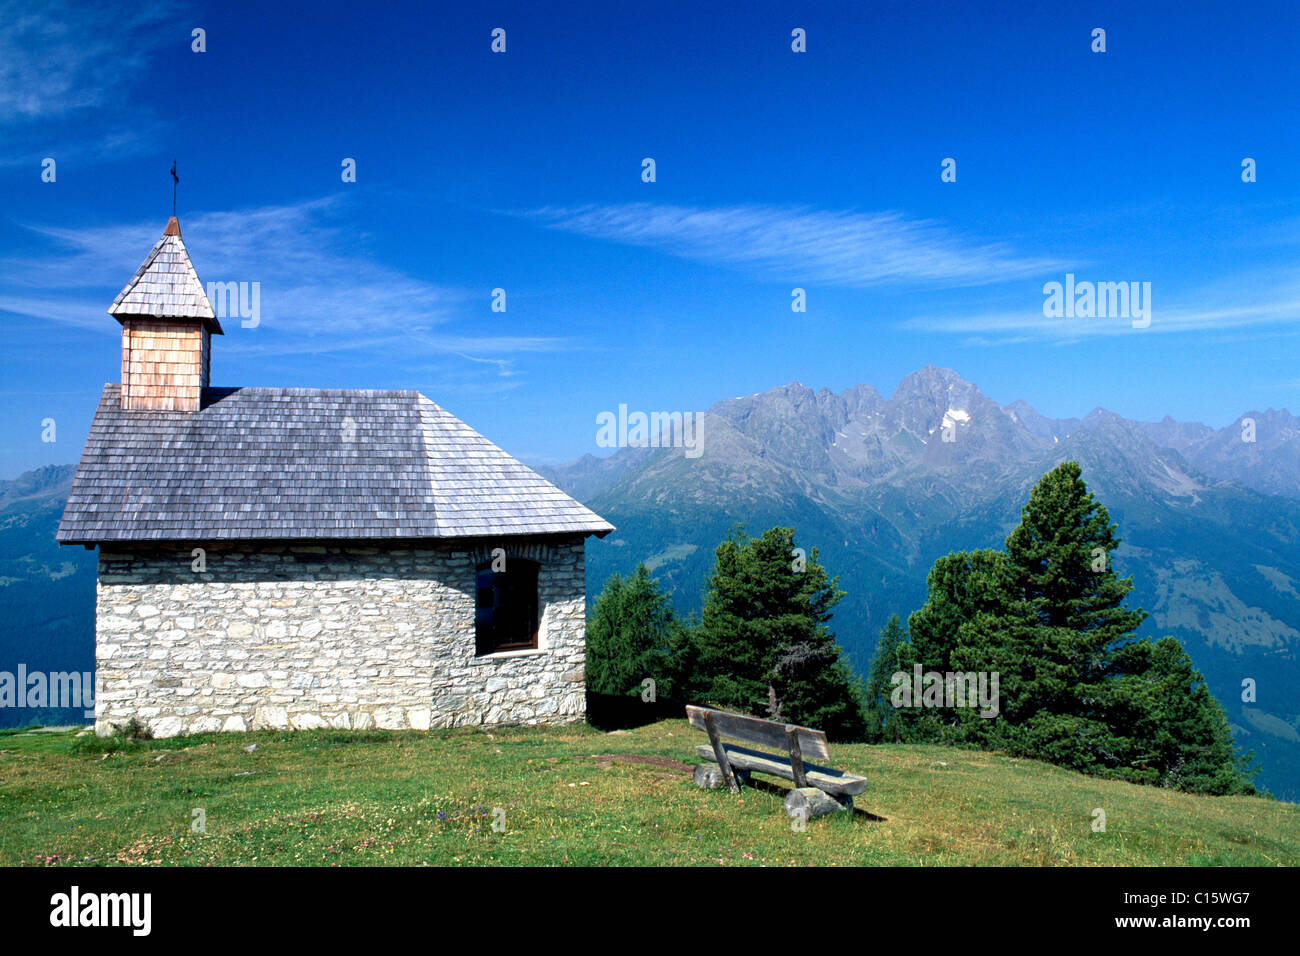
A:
(167, 325)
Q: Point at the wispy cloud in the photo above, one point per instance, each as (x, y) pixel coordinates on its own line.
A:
(57, 58)
(318, 294)
(1241, 304)
(795, 244)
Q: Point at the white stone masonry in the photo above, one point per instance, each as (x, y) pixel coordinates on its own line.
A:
(346, 636)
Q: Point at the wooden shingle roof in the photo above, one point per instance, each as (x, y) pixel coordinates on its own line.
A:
(166, 285)
(302, 463)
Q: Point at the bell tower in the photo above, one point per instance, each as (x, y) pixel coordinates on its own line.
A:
(167, 328)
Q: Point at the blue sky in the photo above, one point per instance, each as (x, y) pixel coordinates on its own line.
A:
(774, 170)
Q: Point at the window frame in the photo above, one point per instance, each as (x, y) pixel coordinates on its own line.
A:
(486, 646)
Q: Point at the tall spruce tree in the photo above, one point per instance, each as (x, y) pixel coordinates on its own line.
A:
(1060, 563)
(1077, 686)
(1061, 579)
(968, 604)
(960, 586)
(629, 636)
(764, 645)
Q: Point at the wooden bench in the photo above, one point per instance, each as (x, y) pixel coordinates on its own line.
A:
(817, 789)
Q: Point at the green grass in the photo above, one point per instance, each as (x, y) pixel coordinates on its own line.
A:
(366, 798)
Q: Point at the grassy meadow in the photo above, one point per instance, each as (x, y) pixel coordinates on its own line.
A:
(579, 796)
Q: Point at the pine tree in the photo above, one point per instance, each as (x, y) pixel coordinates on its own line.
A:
(1061, 577)
(1076, 685)
(764, 644)
(961, 586)
(1060, 563)
(1056, 647)
(734, 653)
(631, 630)
(1180, 734)
(959, 628)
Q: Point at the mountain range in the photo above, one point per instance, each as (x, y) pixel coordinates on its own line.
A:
(1210, 519)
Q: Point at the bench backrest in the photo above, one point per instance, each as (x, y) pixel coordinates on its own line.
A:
(762, 733)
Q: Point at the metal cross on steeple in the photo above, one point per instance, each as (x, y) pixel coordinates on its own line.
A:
(175, 179)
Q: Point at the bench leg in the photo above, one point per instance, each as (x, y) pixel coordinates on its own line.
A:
(796, 755)
(720, 755)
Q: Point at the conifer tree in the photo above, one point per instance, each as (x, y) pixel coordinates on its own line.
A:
(1059, 559)
(1077, 686)
(967, 611)
(1180, 734)
(1062, 581)
(764, 644)
(631, 630)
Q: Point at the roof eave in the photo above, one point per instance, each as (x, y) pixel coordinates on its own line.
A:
(99, 540)
(210, 321)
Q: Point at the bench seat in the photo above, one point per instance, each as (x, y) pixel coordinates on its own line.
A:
(823, 778)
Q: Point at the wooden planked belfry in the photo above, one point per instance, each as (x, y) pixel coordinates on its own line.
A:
(167, 326)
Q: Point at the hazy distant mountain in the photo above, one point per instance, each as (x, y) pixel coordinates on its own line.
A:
(47, 592)
(1211, 523)
(1270, 464)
